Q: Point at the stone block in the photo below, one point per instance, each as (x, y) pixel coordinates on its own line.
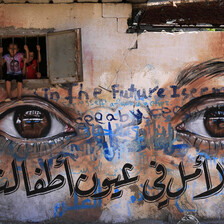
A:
(63, 1)
(122, 25)
(14, 1)
(137, 1)
(120, 10)
(38, 1)
(111, 1)
(87, 1)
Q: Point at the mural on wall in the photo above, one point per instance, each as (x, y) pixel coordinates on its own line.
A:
(148, 149)
(141, 137)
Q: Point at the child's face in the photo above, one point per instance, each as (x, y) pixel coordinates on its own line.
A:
(13, 49)
(31, 55)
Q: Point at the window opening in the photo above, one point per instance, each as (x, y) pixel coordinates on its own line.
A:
(60, 59)
(31, 42)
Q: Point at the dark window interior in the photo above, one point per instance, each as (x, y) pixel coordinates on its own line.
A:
(177, 16)
(31, 42)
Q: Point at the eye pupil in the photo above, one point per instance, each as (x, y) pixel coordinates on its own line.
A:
(32, 122)
(214, 121)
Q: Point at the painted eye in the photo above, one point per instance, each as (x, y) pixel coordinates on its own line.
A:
(36, 125)
(29, 122)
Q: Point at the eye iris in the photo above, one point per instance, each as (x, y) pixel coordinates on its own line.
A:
(214, 121)
(32, 122)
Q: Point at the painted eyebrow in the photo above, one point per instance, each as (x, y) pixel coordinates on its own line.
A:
(210, 69)
(206, 101)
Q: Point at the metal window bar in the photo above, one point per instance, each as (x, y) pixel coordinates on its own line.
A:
(25, 42)
(1, 70)
(13, 59)
(38, 66)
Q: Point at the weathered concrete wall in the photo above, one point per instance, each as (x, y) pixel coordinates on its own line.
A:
(164, 129)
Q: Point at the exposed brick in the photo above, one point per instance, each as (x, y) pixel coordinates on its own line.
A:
(113, 10)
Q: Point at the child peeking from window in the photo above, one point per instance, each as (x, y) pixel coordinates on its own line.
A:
(14, 71)
(30, 68)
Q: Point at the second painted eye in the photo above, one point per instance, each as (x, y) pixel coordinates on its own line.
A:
(200, 123)
(208, 123)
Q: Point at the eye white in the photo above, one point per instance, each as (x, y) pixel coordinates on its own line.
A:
(7, 126)
(57, 126)
(196, 126)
